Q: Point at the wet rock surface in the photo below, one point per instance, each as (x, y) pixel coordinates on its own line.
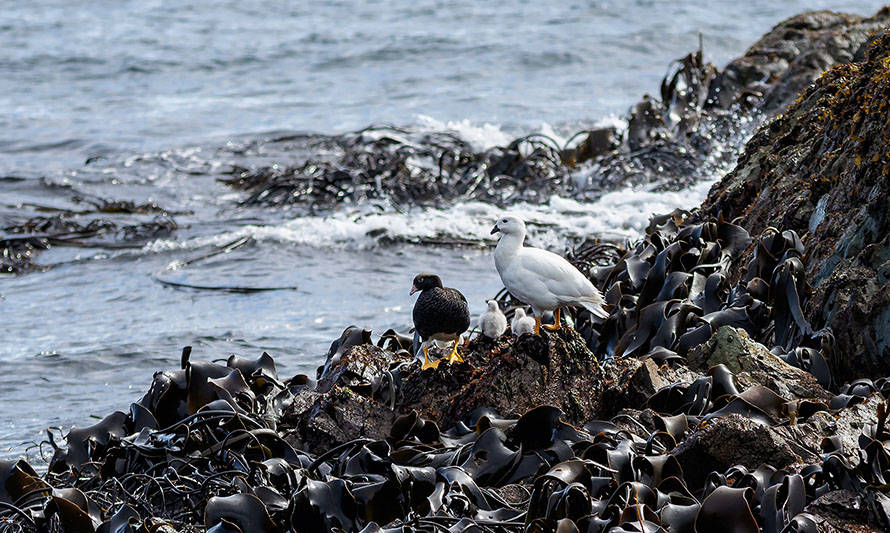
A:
(793, 54)
(821, 169)
(753, 364)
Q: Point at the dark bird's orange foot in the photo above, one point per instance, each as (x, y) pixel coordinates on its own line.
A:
(427, 364)
(454, 357)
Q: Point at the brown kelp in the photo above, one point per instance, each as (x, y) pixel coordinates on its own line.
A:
(100, 223)
(208, 447)
(675, 288)
(538, 434)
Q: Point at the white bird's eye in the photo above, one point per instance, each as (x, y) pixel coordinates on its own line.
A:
(504, 221)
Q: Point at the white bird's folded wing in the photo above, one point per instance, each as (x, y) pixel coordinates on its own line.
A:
(561, 278)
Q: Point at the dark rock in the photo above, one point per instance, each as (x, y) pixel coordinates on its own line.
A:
(360, 367)
(343, 407)
(629, 382)
(841, 510)
(516, 381)
(848, 424)
(821, 168)
(753, 364)
(790, 57)
(735, 440)
(319, 421)
(353, 397)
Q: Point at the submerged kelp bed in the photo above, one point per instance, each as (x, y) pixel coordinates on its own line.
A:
(407, 167)
(635, 439)
(98, 223)
(695, 128)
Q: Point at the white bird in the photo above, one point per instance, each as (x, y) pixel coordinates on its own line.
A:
(521, 323)
(540, 278)
(493, 322)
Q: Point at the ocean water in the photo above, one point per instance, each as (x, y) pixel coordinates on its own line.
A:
(161, 97)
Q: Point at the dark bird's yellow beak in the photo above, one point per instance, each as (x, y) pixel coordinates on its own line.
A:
(413, 289)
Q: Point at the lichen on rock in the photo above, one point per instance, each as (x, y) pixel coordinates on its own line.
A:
(822, 168)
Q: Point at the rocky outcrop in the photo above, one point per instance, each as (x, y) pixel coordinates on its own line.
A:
(788, 58)
(527, 433)
(753, 364)
(364, 388)
(822, 168)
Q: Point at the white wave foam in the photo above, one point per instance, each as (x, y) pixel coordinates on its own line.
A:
(486, 135)
(621, 214)
(481, 137)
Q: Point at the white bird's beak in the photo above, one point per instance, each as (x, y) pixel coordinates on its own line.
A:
(495, 229)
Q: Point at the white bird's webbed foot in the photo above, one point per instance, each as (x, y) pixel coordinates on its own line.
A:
(556, 322)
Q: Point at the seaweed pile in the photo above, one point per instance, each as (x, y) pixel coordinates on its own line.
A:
(410, 167)
(101, 223)
(669, 143)
(695, 128)
(680, 435)
(671, 292)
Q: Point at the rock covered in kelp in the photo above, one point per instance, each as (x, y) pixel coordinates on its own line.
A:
(821, 169)
(361, 393)
(673, 289)
(681, 445)
(237, 457)
(790, 56)
(753, 364)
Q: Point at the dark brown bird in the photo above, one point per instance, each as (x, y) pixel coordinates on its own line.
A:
(440, 314)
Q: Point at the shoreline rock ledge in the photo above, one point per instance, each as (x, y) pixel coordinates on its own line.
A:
(822, 169)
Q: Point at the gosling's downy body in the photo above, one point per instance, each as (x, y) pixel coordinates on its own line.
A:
(492, 322)
(540, 278)
(521, 323)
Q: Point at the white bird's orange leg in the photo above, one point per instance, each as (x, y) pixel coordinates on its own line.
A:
(427, 364)
(556, 322)
(453, 357)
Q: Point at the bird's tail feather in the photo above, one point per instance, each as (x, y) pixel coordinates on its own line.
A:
(595, 306)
